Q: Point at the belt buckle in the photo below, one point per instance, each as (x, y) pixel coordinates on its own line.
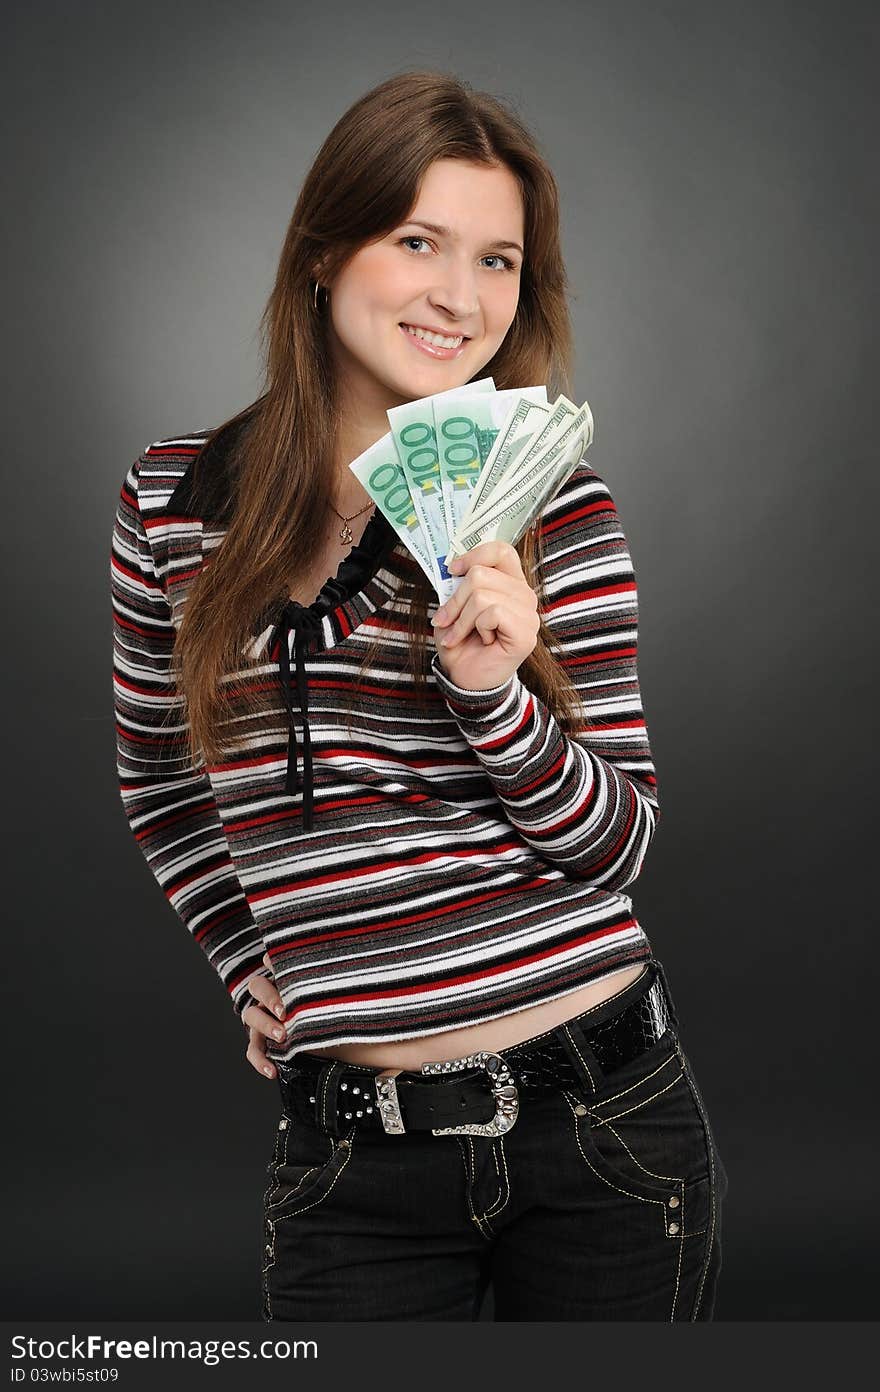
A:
(504, 1091)
(389, 1104)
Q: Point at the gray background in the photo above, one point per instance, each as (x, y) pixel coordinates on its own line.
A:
(713, 162)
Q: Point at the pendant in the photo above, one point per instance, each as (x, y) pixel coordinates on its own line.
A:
(346, 536)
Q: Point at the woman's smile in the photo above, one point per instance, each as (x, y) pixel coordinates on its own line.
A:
(431, 346)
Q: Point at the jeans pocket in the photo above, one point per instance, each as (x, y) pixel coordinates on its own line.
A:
(641, 1134)
(304, 1165)
(304, 1170)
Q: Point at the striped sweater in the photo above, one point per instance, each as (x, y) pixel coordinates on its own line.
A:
(428, 868)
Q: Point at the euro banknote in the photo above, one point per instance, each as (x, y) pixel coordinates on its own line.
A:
(471, 464)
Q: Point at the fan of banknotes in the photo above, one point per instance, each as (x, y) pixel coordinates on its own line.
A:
(470, 465)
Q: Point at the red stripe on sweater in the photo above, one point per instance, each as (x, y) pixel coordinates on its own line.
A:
(294, 814)
(424, 987)
(135, 575)
(375, 868)
(410, 920)
(575, 515)
(578, 813)
(528, 709)
(185, 451)
(196, 809)
(623, 587)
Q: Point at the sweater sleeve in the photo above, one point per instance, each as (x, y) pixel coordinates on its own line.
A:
(586, 803)
(171, 809)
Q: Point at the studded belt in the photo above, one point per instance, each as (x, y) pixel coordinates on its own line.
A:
(480, 1094)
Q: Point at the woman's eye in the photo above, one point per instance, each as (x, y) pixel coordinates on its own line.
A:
(491, 256)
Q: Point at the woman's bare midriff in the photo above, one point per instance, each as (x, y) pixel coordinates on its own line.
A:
(493, 1035)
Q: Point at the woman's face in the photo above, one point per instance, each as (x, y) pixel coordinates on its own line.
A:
(462, 281)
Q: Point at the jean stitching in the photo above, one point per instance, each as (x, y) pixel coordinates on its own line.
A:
(484, 1216)
(273, 1203)
(268, 1230)
(275, 1163)
(680, 1236)
(644, 1102)
(675, 1179)
(477, 1219)
(570, 1102)
(682, 1233)
(584, 1064)
(498, 1205)
(629, 1193)
(280, 1160)
(606, 1101)
(349, 1151)
(325, 1084)
(711, 1234)
(272, 1222)
(468, 1182)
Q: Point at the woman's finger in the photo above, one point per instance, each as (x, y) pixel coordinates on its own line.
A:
(489, 612)
(491, 581)
(261, 1023)
(255, 1017)
(263, 989)
(256, 1054)
(499, 554)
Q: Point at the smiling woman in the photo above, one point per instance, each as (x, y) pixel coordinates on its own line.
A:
(445, 301)
(410, 870)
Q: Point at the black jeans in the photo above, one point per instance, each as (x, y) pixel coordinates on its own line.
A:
(601, 1203)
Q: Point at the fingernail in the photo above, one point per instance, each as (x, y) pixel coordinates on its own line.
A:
(279, 1011)
(278, 1033)
(268, 1071)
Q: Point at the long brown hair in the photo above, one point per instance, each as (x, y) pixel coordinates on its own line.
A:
(362, 184)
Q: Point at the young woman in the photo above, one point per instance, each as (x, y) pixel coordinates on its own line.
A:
(402, 836)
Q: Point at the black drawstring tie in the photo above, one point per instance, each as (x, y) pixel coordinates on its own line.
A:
(297, 619)
(354, 572)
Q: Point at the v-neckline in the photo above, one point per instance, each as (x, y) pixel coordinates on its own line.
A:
(352, 594)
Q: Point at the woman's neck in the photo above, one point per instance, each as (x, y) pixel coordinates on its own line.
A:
(362, 421)
(349, 494)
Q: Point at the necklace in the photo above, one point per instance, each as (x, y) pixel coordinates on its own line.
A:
(346, 536)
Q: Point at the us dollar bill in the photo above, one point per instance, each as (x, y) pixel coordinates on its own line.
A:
(509, 523)
(526, 420)
(538, 446)
(520, 497)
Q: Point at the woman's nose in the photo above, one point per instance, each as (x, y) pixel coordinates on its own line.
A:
(456, 298)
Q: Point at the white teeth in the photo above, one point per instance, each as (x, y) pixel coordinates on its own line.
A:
(437, 339)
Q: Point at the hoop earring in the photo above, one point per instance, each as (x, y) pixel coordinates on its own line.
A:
(317, 288)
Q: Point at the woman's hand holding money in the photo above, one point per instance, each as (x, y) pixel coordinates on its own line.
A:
(490, 625)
